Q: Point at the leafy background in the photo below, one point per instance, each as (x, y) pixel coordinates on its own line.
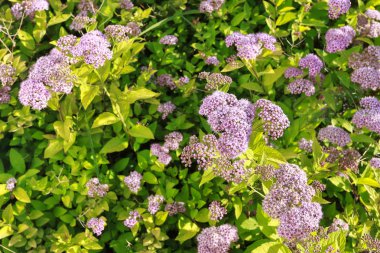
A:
(104, 129)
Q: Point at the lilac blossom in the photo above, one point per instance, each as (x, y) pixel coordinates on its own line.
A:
(172, 140)
(11, 184)
(96, 225)
(298, 222)
(293, 72)
(161, 152)
(87, 7)
(275, 121)
(133, 181)
(169, 40)
(166, 80)
(5, 95)
(80, 22)
(318, 186)
(334, 135)
(306, 145)
(337, 225)
(34, 94)
(202, 152)
(183, 80)
(217, 239)
(117, 32)
(299, 86)
(367, 77)
(217, 211)
(212, 60)
(132, 219)
(154, 203)
(215, 80)
(96, 189)
(250, 46)
(208, 6)
(94, 48)
(175, 208)
(126, 4)
(369, 116)
(7, 74)
(338, 39)
(265, 171)
(166, 109)
(29, 8)
(313, 63)
(375, 162)
(338, 7)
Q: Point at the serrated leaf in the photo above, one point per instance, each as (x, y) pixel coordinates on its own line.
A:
(150, 178)
(105, 118)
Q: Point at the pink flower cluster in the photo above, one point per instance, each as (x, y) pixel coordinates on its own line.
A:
(334, 135)
(208, 6)
(28, 8)
(172, 142)
(96, 189)
(217, 239)
(133, 181)
(96, 225)
(369, 115)
(338, 39)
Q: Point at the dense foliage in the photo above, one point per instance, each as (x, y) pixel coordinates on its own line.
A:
(190, 126)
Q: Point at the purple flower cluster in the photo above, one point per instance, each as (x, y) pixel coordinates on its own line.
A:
(337, 225)
(350, 160)
(230, 117)
(300, 86)
(169, 40)
(250, 46)
(338, 7)
(306, 145)
(175, 208)
(369, 116)
(126, 4)
(217, 239)
(122, 32)
(28, 8)
(133, 181)
(338, 39)
(371, 26)
(214, 80)
(372, 244)
(49, 73)
(172, 142)
(183, 80)
(202, 152)
(166, 109)
(5, 96)
(132, 220)
(217, 211)
(334, 135)
(7, 74)
(312, 63)
(375, 162)
(11, 184)
(367, 77)
(94, 48)
(231, 171)
(96, 189)
(208, 6)
(275, 121)
(166, 80)
(80, 22)
(265, 171)
(96, 225)
(300, 221)
(318, 186)
(154, 203)
(290, 190)
(86, 7)
(212, 60)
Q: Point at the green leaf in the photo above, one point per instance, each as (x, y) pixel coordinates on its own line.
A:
(368, 181)
(253, 86)
(7, 214)
(53, 148)
(138, 94)
(203, 215)
(58, 19)
(233, 66)
(238, 206)
(270, 78)
(21, 195)
(286, 18)
(17, 160)
(264, 246)
(187, 230)
(116, 144)
(161, 218)
(207, 176)
(141, 131)
(26, 39)
(250, 224)
(105, 118)
(150, 178)
(238, 18)
(88, 93)
(5, 232)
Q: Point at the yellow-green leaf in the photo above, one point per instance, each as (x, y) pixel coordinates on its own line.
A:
(21, 195)
(116, 144)
(141, 132)
(105, 118)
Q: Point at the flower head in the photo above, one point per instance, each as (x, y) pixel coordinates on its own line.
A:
(338, 7)
(154, 203)
(335, 135)
(338, 39)
(11, 184)
(175, 208)
(132, 220)
(133, 181)
(96, 225)
(217, 211)
(96, 189)
(166, 109)
(169, 40)
(217, 239)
